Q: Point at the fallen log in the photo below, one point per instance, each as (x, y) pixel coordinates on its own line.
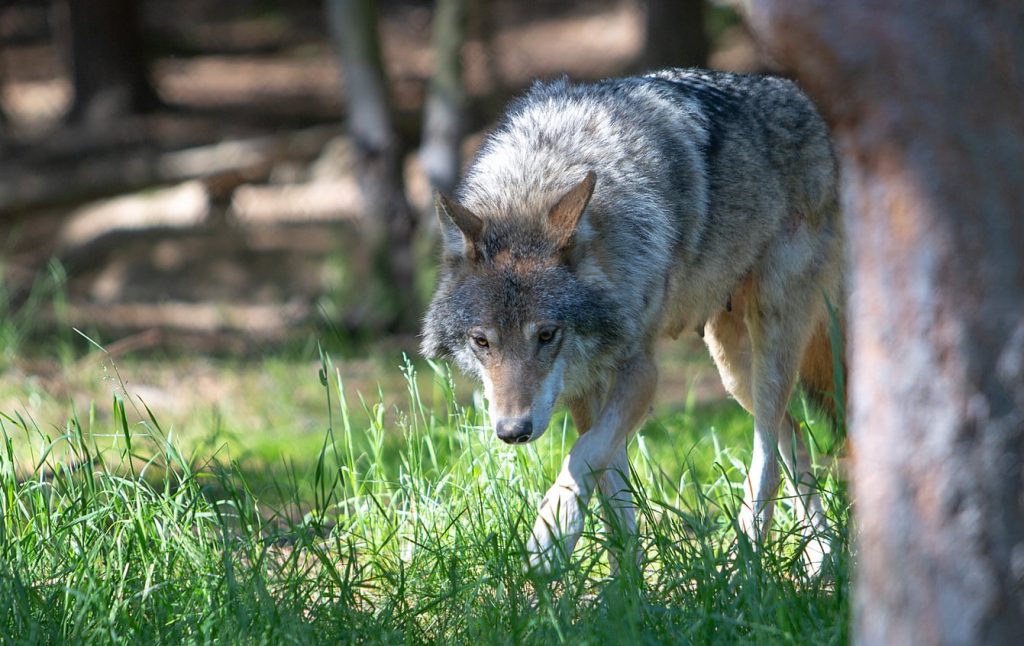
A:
(42, 185)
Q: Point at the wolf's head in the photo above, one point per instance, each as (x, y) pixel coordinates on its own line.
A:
(511, 308)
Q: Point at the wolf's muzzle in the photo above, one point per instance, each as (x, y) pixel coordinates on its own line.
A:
(515, 430)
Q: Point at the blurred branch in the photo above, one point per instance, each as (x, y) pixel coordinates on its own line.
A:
(391, 222)
(336, 199)
(444, 118)
(183, 207)
(90, 176)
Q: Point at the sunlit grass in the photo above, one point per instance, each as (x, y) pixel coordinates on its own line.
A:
(405, 523)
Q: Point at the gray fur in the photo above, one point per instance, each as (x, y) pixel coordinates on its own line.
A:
(711, 189)
(696, 171)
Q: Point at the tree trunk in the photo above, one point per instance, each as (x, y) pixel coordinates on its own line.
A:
(391, 223)
(927, 101)
(675, 34)
(107, 60)
(443, 121)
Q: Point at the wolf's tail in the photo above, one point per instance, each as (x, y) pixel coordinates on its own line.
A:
(823, 376)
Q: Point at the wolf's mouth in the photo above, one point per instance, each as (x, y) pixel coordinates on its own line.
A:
(522, 439)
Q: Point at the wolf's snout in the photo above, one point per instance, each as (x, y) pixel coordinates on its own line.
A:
(515, 431)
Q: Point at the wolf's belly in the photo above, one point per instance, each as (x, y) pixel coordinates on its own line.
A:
(690, 301)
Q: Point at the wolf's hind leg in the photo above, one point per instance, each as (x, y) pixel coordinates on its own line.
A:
(786, 308)
(779, 332)
(560, 521)
(728, 339)
(804, 486)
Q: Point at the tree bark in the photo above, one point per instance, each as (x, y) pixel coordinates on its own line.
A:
(391, 222)
(675, 34)
(107, 59)
(443, 121)
(927, 101)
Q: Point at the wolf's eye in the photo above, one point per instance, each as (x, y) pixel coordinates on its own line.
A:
(546, 335)
(481, 341)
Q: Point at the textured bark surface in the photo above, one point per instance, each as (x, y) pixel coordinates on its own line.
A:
(391, 222)
(927, 102)
(107, 60)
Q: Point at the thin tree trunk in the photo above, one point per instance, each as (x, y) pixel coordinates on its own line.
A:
(378, 155)
(443, 125)
(107, 59)
(927, 99)
(675, 34)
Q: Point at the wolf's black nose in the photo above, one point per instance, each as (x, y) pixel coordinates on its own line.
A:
(515, 431)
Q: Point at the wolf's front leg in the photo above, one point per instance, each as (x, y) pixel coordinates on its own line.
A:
(620, 509)
(620, 521)
(560, 521)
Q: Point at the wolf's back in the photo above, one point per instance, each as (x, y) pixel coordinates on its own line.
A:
(665, 137)
(767, 117)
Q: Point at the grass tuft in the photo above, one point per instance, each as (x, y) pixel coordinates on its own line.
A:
(408, 527)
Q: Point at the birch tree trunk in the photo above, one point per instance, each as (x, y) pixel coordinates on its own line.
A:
(391, 222)
(927, 102)
(443, 121)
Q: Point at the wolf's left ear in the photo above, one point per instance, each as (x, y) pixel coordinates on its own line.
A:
(461, 230)
(564, 216)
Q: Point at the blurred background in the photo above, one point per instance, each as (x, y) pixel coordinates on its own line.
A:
(204, 182)
(186, 168)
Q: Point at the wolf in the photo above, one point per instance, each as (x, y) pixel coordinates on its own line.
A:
(598, 217)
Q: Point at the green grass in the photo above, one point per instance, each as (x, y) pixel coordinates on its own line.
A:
(405, 524)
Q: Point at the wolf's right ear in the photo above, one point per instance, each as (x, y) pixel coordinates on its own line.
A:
(461, 230)
(565, 215)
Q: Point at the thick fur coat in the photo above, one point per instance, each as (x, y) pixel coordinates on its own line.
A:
(601, 215)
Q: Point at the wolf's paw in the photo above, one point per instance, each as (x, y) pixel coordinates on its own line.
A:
(753, 526)
(746, 522)
(626, 557)
(817, 557)
(556, 531)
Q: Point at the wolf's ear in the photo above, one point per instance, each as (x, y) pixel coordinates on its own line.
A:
(564, 216)
(460, 228)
